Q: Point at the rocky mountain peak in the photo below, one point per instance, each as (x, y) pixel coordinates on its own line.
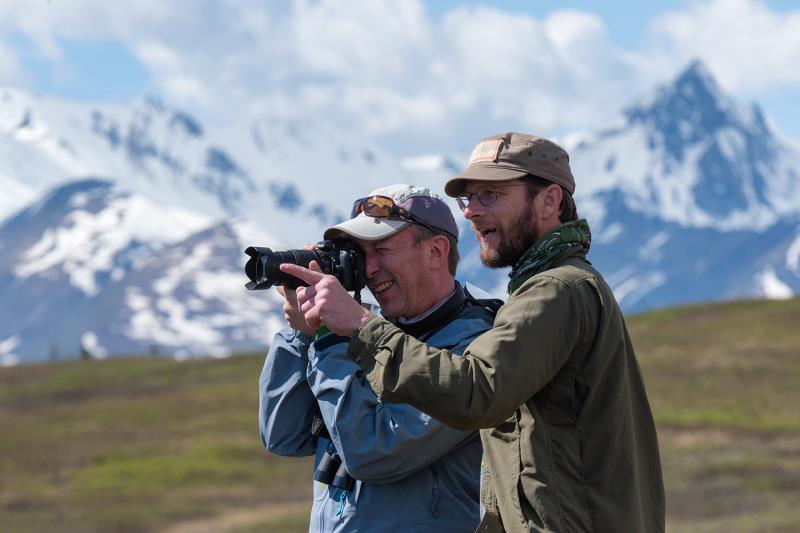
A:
(689, 109)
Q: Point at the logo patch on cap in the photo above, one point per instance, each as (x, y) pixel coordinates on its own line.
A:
(486, 151)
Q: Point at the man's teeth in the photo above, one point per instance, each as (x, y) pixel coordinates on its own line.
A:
(382, 287)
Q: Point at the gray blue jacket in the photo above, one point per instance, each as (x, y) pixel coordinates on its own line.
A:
(412, 472)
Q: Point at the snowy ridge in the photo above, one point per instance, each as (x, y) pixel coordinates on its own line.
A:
(690, 197)
(90, 237)
(690, 155)
(171, 284)
(283, 174)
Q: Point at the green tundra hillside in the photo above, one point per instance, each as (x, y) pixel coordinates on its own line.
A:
(150, 444)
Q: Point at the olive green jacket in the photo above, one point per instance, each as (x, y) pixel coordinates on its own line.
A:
(567, 431)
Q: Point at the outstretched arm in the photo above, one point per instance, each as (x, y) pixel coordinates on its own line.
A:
(378, 442)
(533, 335)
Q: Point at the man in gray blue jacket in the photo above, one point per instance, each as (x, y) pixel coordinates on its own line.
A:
(380, 467)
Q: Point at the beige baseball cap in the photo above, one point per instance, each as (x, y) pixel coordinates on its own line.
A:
(510, 156)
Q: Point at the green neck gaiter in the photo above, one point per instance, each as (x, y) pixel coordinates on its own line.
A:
(539, 257)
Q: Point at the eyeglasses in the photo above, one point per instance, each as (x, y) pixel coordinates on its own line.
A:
(486, 197)
(384, 207)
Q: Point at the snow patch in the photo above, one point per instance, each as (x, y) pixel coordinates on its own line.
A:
(793, 255)
(135, 300)
(771, 286)
(91, 344)
(88, 243)
(651, 251)
(634, 288)
(731, 143)
(7, 356)
(609, 234)
(178, 273)
(13, 196)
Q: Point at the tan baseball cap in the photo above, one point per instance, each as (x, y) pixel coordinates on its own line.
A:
(510, 156)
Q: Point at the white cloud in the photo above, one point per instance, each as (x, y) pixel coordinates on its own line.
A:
(747, 46)
(11, 72)
(365, 42)
(157, 56)
(388, 69)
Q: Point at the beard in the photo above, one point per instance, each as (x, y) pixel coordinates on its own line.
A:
(519, 235)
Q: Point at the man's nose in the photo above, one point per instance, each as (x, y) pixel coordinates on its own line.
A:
(371, 264)
(473, 209)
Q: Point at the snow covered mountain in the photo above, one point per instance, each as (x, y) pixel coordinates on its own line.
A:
(690, 155)
(122, 227)
(297, 176)
(93, 267)
(691, 198)
(100, 204)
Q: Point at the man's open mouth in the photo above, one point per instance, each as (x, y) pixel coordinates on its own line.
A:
(379, 288)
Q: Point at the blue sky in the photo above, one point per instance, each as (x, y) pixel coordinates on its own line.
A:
(93, 70)
(397, 69)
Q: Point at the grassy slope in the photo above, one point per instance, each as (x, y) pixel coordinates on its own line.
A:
(147, 444)
(724, 383)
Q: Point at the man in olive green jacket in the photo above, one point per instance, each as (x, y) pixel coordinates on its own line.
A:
(568, 435)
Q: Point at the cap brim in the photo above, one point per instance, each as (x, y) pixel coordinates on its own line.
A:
(366, 228)
(478, 172)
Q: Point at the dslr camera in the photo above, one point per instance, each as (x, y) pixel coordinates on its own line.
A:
(341, 258)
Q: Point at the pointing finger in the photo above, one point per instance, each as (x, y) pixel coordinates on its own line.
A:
(309, 276)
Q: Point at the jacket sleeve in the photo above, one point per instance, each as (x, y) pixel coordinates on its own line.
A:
(533, 335)
(378, 442)
(286, 405)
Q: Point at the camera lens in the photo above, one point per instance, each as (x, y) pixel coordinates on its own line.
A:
(263, 267)
(341, 258)
(272, 272)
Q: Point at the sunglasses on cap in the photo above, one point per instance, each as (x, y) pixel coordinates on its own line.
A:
(384, 207)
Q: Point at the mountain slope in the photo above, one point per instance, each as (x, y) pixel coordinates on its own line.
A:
(690, 198)
(112, 272)
(692, 156)
(299, 176)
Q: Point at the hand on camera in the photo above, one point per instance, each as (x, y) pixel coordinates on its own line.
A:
(292, 313)
(325, 301)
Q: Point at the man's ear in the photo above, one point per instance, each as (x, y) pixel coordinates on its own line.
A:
(550, 198)
(439, 251)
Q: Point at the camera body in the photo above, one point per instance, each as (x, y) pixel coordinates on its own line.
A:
(341, 258)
